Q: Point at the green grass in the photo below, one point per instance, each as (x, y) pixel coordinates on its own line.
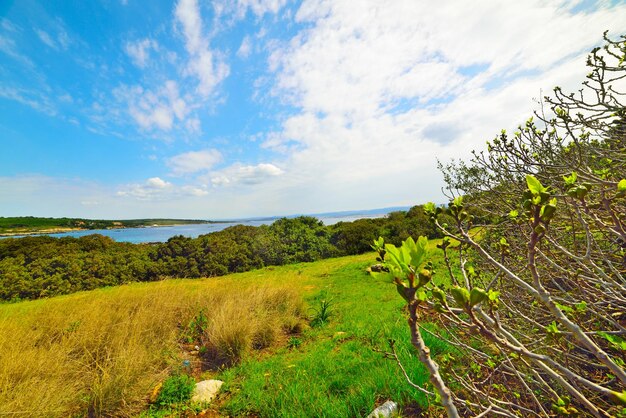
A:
(333, 369)
(337, 370)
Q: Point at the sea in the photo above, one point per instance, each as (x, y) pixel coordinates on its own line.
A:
(163, 233)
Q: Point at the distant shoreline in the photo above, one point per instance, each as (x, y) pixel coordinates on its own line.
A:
(49, 231)
(40, 232)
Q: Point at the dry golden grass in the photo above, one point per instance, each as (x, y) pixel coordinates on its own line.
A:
(99, 353)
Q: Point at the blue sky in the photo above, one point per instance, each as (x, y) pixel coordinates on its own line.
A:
(126, 108)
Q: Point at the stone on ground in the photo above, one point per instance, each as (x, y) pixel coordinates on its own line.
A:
(206, 390)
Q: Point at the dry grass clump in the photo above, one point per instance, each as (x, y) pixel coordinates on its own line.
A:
(99, 353)
(255, 321)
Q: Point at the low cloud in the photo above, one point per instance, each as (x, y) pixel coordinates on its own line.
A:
(152, 189)
(245, 174)
(194, 161)
(155, 188)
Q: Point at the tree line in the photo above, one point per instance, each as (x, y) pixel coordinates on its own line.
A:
(42, 266)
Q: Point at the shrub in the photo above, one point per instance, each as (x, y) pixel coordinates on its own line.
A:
(176, 389)
(537, 305)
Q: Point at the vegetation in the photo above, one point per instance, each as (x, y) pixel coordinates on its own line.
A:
(36, 267)
(176, 389)
(31, 224)
(102, 353)
(537, 309)
(519, 312)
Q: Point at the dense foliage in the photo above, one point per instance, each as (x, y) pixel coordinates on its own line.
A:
(538, 308)
(35, 267)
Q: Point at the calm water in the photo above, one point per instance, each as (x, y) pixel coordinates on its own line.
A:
(163, 233)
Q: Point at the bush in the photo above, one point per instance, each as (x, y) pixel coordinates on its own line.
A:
(537, 306)
(176, 389)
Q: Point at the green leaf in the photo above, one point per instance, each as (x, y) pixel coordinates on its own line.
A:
(439, 295)
(621, 186)
(553, 329)
(571, 179)
(382, 275)
(616, 341)
(534, 185)
(461, 296)
(581, 306)
(430, 209)
(513, 214)
(493, 295)
(477, 295)
(418, 251)
(403, 291)
(618, 397)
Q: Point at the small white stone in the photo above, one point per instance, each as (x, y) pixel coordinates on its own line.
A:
(206, 390)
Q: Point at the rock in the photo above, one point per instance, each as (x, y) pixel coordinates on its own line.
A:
(387, 410)
(206, 390)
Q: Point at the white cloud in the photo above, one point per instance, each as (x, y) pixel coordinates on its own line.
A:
(139, 51)
(46, 39)
(239, 8)
(8, 26)
(245, 48)
(8, 46)
(383, 89)
(244, 174)
(158, 189)
(71, 197)
(194, 161)
(260, 7)
(152, 189)
(157, 183)
(31, 98)
(58, 39)
(208, 68)
(194, 191)
(158, 109)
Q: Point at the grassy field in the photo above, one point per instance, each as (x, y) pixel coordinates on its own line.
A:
(305, 340)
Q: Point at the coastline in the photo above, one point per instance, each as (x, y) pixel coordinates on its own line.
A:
(63, 230)
(40, 232)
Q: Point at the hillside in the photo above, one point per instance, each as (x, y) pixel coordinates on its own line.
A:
(288, 359)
